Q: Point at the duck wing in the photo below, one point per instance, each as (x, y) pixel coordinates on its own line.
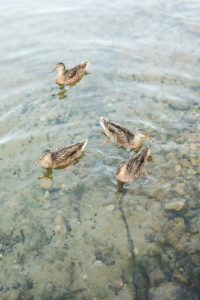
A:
(136, 164)
(76, 70)
(68, 153)
(121, 133)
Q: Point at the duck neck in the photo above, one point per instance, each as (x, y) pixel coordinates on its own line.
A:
(61, 72)
(137, 141)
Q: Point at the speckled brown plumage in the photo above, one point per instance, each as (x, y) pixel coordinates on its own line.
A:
(131, 169)
(62, 156)
(122, 136)
(70, 76)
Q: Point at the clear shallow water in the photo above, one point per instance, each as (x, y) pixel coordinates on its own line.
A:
(58, 237)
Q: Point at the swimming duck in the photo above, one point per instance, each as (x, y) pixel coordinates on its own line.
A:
(62, 156)
(69, 76)
(131, 169)
(122, 136)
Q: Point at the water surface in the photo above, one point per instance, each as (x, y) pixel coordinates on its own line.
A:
(76, 234)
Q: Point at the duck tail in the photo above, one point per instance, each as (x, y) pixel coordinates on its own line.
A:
(85, 64)
(147, 150)
(103, 122)
(144, 152)
(84, 143)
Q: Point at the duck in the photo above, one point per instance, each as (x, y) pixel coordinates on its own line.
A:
(69, 76)
(122, 136)
(132, 168)
(62, 156)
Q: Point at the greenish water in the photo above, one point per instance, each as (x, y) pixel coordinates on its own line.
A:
(75, 234)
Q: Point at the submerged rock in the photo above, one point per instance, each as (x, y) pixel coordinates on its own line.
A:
(178, 168)
(195, 224)
(110, 207)
(169, 291)
(178, 105)
(193, 147)
(136, 251)
(198, 169)
(46, 195)
(181, 278)
(156, 277)
(116, 285)
(58, 220)
(175, 205)
(45, 183)
(191, 172)
(180, 188)
(98, 263)
(175, 229)
(58, 229)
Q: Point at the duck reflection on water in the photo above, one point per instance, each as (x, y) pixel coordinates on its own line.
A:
(62, 94)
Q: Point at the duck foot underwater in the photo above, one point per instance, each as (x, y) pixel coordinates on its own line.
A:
(122, 136)
(105, 142)
(67, 167)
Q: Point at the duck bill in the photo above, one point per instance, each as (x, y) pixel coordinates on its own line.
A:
(38, 163)
(148, 139)
(53, 70)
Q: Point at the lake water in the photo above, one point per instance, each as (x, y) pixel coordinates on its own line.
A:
(77, 234)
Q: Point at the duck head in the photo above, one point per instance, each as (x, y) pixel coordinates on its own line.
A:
(46, 159)
(60, 67)
(140, 133)
(121, 173)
